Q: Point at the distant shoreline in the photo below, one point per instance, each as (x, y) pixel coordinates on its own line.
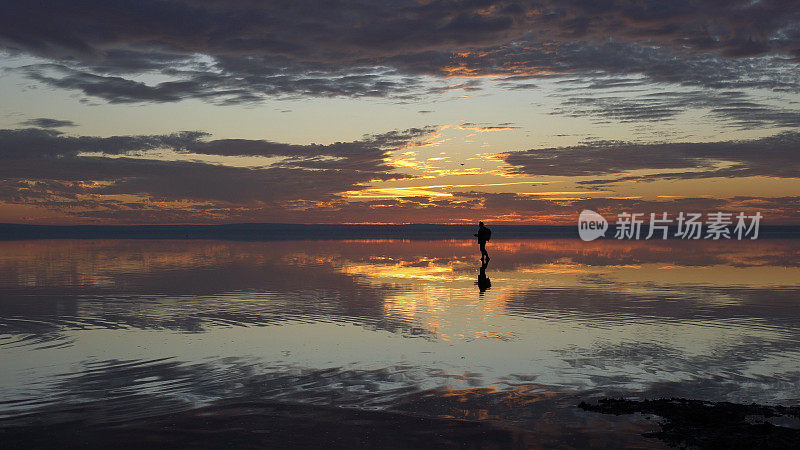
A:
(269, 232)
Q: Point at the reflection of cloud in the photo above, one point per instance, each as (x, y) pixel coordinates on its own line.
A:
(640, 321)
(373, 278)
(240, 402)
(201, 273)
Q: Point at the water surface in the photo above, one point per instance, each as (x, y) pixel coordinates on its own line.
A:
(129, 329)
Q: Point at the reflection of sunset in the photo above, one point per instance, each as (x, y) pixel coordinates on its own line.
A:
(422, 269)
(385, 317)
(757, 263)
(426, 285)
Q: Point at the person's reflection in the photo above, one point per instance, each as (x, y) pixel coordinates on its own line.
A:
(483, 282)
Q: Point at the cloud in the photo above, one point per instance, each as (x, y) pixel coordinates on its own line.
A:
(225, 88)
(43, 122)
(229, 51)
(40, 143)
(485, 127)
(600, 59)
(735, 108)
(165, 177)
(774, 156)
(168, 178)
(472, 206)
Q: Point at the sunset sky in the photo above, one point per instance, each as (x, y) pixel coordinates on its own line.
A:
(377, 111)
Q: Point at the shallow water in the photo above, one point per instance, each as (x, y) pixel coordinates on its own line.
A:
(127, 329)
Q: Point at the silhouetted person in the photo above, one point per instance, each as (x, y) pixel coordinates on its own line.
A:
(483, 235)
(483, 282)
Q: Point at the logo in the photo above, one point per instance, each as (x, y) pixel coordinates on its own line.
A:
(718, 225)
(591, 225)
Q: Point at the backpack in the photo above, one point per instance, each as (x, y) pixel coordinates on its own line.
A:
(488, 233)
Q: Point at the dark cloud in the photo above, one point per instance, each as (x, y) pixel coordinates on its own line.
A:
(127, 177)
(735, 108)
(241, 51)
(592, 60)
(164, 178)
(774, 156)
(39, 143)
(470, 207)
(168, 179)
(225, 88)
(43, 122)
(485, 127)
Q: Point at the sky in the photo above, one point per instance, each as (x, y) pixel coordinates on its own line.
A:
(373, 111)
